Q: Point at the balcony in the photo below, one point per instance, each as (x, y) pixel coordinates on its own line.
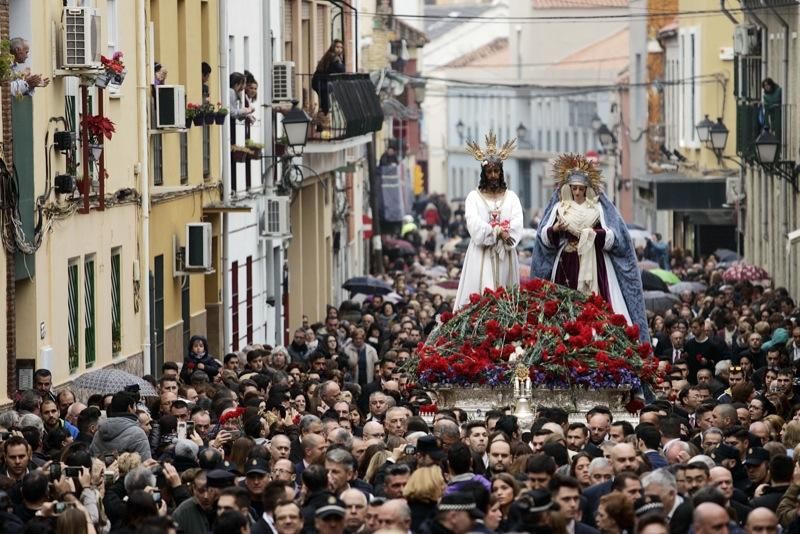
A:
(747, 78)
(355, 108)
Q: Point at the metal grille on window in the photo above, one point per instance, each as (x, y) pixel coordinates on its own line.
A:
(89, 312)
(72, 316)
(158, 161)
(116, 304)
(184, 139)
(235, 305)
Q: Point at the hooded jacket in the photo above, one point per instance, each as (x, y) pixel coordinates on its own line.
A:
(121, 433)
(192, 361)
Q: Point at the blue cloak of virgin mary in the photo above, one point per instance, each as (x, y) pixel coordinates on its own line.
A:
(621, 254)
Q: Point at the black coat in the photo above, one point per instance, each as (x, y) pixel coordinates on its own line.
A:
(421, 511)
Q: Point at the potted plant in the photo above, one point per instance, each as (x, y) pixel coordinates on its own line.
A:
(114, 73)
(97, 127)
(6, 62)
(239, 153)
(254, 148)
(193, 115)
(209, 112)
(220, 114)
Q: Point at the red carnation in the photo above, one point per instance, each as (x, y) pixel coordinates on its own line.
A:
(474, 298)
(446, 316)
(550, 308)
(618, 320)
(632, 332)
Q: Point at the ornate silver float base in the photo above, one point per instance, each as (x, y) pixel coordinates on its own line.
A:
(478, 400)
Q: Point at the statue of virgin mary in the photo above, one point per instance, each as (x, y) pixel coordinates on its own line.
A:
(582, 242)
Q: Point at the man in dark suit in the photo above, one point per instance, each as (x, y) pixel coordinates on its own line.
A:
(388, 364)
(566, 492)
(673, 350)
(623, 458)
(314, 447)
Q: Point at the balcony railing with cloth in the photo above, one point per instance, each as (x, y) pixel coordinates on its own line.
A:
(353, 106)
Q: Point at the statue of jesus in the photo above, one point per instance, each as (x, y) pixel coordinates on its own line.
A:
(494, 220)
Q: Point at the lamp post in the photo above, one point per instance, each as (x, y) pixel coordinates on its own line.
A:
(718, 135)
(522, 134)
(704, 130)
(460, 130)
(767, 145)
(297, 125)
(606, 136)
(419, 91)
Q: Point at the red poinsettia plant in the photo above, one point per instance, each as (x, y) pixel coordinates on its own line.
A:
(98, 127)
(564, 338)
(113, 64)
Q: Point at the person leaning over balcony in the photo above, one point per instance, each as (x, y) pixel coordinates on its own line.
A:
(238, 109)
(331, 63)
(25, 81)
(205, 70)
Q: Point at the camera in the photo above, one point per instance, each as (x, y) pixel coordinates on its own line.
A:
(157, 497)
(4, 435)
(73, 471)
(410, 450)
(181, 430)
(55, 471)
(60, 507)
(189, 429)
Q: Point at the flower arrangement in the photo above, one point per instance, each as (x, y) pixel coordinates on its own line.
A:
(560, 337)
(192, 110)
(114, 64)
(7, 62)
(221, 110)
(98, 127)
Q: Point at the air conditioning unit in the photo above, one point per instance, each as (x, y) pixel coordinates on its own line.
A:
(170, 106)
(733, 192)
(283, 81)
(745, 39)
(197, 256)
(275, 222)
(80, 38)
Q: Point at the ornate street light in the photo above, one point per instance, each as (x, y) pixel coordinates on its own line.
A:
(522, 132)
(297, 125)
(704, 130)
(606, 136)
(767, 145)
(718, 134)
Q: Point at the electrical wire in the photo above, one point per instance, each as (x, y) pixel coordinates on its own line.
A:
(596, 17)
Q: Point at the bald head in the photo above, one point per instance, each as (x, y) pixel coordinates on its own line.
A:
(710, 518)
(74, 411)
(623, 458)
(762, 521)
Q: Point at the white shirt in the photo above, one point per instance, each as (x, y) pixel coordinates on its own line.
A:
(270, 521)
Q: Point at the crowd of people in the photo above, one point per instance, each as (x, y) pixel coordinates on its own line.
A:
(330, 434)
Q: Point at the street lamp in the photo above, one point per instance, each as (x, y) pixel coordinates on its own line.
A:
(767, 145)
(297, 125)
(419, 91)
(718, 134)
(704, 130)
(522, 132)
(460, 129)
(606, 137)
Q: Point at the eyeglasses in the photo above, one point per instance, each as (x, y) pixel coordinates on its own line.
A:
(735, 369)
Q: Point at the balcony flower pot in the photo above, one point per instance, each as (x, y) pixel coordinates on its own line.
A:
(219, 118)
(254, 154)
(189, 122)
(209, 118)
(102, 80)
(239, 154)
(199, 119)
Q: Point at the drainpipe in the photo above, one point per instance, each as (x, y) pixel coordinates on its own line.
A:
(143, 95)
(267, 167)
(726, 12)
(225, 159)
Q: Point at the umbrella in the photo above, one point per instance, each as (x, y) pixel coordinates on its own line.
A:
(651, 282)
(659, 301)
(633, 226)
(368, 285)
(399, 246)
(436, 272)
(110, 380)
(647, 265)
(392, 297)
(726, 255)
(694, 287)
(744, 271)
(666, 276)
(639, 237)
(445, 289)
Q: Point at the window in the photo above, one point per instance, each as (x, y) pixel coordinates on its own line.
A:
(235, 305)
(246, 53)
(116, 302)
(158, 160)
(206, 153)
(186, 313)
(689, 43)
(157, 313)
(112, 27)
(72, 315)
(89, 331)
(184, 140)
(581, 113)
(231, 52)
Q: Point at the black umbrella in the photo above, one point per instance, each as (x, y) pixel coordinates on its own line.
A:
(367, 285)
(651, 282)
(726, 255)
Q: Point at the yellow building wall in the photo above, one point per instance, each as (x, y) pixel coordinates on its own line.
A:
(42, 299)
(716, 99)
(184, 35)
